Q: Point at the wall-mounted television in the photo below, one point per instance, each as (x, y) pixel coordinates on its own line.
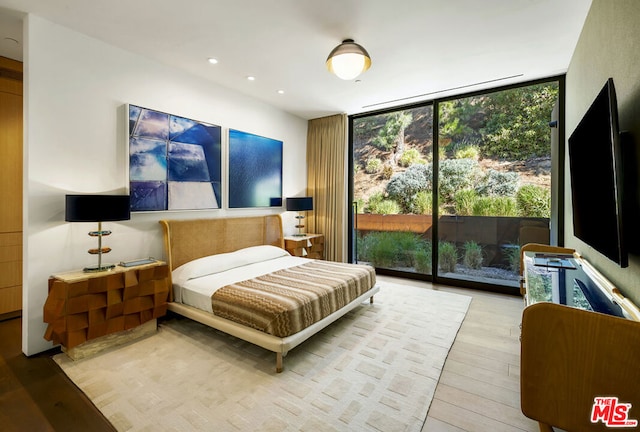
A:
(595, 160)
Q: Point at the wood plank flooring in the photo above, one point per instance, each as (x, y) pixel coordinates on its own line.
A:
(35, 395)
(479, 389)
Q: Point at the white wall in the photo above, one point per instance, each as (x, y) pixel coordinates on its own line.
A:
(75, 90)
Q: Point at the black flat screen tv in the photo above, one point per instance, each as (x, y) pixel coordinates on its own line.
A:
(595, 160)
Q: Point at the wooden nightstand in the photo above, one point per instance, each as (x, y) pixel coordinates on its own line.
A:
(308, 246)
(85, 306)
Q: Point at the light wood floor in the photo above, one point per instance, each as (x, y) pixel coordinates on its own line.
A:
(479, 389)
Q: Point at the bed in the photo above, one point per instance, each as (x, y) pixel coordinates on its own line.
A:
(212, 258)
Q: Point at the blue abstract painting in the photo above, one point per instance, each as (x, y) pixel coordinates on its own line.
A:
(174, 162)
(255, 171)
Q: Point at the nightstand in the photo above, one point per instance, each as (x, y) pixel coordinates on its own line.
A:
(99, 306)
(308, 246)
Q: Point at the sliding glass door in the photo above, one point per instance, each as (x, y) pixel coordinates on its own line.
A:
(392, 153)
(494, 181)
(454, 200)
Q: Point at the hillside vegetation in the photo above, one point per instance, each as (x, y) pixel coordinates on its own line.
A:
(494, 156)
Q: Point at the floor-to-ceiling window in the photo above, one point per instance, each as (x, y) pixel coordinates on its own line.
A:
(455, 199)
(392, 153)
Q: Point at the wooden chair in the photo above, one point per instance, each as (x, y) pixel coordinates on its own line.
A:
(538, 247)
(571, 356)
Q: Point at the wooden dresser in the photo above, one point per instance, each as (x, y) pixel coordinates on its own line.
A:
(85, 306)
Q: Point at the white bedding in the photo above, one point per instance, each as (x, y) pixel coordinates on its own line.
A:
(194, 283)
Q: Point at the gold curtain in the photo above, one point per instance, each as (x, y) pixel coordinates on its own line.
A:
(326, 183)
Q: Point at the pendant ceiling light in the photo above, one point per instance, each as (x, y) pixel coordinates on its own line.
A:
(348, 60)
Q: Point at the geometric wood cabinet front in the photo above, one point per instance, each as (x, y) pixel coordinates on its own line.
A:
(307, 246)
(84, 306)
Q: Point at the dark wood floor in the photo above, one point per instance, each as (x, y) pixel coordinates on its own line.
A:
(34, 393)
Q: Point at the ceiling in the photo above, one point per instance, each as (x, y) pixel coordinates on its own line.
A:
(420, 49)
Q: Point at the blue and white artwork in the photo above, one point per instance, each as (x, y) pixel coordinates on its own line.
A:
(255, 171)
(174, 162)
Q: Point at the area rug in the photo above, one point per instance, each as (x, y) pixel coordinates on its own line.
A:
(376, 369)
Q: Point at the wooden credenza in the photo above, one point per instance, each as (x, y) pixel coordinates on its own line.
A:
(572, 355)
(83, 306)
(307, 246)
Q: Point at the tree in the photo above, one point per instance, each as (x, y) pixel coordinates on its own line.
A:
(391, 136)
(517, 123)
(508, 124)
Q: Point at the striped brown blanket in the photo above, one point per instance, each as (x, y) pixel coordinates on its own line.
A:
(286, 301)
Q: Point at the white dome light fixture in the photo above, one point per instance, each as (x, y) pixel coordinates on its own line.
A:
(348, 60)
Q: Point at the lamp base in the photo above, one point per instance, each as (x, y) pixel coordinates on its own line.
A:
(101, 268)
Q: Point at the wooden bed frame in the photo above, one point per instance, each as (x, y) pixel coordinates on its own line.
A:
(186, 240)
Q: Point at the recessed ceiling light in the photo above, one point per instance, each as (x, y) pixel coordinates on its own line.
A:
(280, 91)
(251, 78)
(213, 60)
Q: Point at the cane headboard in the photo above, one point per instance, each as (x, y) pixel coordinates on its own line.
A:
(186, 240)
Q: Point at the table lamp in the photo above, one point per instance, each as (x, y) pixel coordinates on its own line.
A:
(97, 208)
(300, 204)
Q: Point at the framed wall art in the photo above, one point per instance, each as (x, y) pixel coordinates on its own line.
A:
(174, 162)
(255, 170)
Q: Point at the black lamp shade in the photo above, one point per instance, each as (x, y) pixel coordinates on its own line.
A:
(97, 208)
(299, 203)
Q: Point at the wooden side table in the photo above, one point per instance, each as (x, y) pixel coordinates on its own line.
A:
(308, 246)
(86, 306)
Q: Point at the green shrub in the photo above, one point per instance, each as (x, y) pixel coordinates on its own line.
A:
(447, 257)
(422, 259)
(409, 157)
(406, 244)
(373, 166)
(388, 249)
(468, 152)
(387, 172)
(386, 206)
(505, 206)
(472, 255)
(423, 203)
(512, 254)
(498, 183)
(378, 204)
(494, 206)
(463, 201)
(374, 201)
(456, 175)
(380, 251)
(404, 187)
(534, 201)
(482, 206)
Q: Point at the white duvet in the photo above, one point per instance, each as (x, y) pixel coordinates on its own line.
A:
(195, 282)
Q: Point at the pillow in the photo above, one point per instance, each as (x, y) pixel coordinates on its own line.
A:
(256, 254)
(226, 261)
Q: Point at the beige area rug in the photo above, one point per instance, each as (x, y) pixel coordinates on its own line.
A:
(376, 369)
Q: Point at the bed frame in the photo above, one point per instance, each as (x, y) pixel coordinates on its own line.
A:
(186, 240)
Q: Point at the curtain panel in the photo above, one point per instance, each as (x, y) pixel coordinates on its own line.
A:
(326, 183)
